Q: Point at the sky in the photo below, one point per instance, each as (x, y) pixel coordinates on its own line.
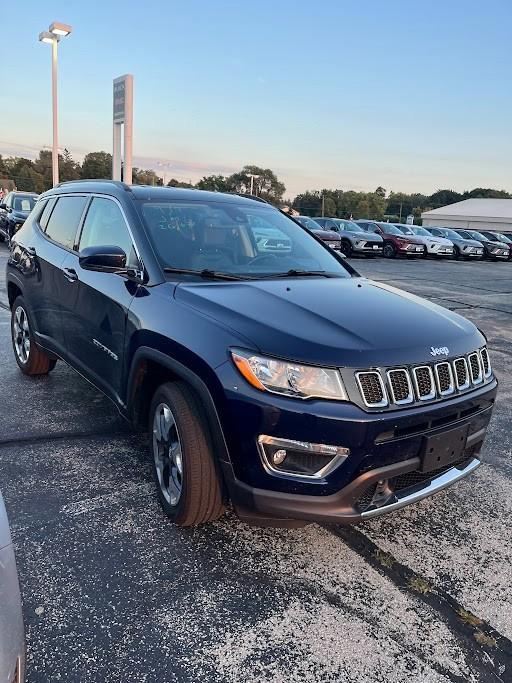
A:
(411, 95)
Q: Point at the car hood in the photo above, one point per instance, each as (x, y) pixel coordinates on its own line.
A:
(332, 321)
(469, 243)
(496, 243)
(326, 234)
(436, 240)
(363, 235)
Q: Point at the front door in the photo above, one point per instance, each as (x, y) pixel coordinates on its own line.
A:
(95, 321)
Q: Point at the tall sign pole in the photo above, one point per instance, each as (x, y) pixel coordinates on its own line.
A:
(122, 115)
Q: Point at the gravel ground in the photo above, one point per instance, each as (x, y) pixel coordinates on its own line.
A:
(113, 592)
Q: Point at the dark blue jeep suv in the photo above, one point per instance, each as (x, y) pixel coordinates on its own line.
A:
(281, 381)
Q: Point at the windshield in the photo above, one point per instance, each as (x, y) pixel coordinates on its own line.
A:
(308, 222)
(478, 236)
(24, 203)
(405, 229)
(238, 239)
(390, 229)
(422, 232)
(447, 232)
(349, 226)
(503, 238)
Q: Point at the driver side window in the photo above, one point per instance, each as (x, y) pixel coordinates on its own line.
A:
(104, 225)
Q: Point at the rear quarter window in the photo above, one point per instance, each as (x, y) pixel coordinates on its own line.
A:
(64, 220)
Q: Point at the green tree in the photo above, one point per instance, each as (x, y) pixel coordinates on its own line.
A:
(97, 165)
(444, 197)
(380, 191)
(215, 183)
(69, 169)
(141, 176)
(486, 193)
(266, 186)
(178, 183)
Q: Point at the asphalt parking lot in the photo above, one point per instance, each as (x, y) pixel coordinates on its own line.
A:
(113, 592)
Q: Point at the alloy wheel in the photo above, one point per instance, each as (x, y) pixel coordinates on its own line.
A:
(168, 454)
(21, 335)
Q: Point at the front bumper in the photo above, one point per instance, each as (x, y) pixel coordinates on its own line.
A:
(386, 445)
(411, 249)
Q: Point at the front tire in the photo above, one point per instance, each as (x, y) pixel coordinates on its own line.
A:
(184, 468)
(31, 359)
(389, 250)
(346, 248)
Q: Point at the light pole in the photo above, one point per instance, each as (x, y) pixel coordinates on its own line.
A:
(252, 176)
(55, 32)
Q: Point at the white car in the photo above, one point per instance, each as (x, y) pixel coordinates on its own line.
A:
(436, 246)
(12, 632)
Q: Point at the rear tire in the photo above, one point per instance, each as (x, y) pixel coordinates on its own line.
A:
(184, 468)
(346, 248)
(31, 359)
(389, 250)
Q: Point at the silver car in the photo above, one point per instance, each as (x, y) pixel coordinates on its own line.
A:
(435, 246)
(463, 248)
(12, 633)
(354, 240)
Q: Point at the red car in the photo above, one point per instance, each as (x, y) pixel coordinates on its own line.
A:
(331, 238)
(395, 242)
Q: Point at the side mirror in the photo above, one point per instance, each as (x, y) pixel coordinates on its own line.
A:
(106, 259)
(3, 206)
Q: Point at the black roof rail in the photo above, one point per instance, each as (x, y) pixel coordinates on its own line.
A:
(117, 183)
(250, 196)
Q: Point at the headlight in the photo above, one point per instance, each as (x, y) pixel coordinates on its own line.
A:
(290, 379)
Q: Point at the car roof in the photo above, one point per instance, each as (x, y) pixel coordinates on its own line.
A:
(151, 193)
(25, 194)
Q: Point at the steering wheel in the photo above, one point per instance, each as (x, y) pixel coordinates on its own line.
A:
(260, 258)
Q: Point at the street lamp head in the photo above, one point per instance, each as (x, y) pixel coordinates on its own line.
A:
(46, 37)
(59, 29)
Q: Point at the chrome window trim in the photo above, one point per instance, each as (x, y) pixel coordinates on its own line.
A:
(382, 404)
(480, 377)
(451, 388)
(78, 235)
(410, 397)
(433, 393)
(467, 384)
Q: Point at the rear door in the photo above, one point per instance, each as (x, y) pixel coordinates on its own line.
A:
(58, 227)
(96, 314)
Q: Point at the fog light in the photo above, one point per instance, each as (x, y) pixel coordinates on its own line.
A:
(300, 458)
(279, 456)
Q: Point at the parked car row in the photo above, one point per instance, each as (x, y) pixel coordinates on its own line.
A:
(400, 239)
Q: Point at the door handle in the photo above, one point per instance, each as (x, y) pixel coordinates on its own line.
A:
(70, 274)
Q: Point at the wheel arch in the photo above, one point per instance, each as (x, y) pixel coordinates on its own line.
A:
(149, 369)
(13, 292)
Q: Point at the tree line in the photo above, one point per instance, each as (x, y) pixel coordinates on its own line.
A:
(36, 176)
(380, 205)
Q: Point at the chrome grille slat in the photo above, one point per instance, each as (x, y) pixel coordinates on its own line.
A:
(475, 367)
(460, 367)
(486, 363)
(424, 383)
(400, 386)
(372, 388)
(444, 378)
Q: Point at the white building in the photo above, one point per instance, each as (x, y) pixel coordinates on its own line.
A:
(474, 214)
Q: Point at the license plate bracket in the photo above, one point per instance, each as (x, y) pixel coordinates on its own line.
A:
(443, 449)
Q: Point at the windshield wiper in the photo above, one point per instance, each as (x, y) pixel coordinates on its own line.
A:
(299, 273)
(205, 273)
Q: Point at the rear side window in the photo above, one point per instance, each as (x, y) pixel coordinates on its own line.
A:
(65, 219)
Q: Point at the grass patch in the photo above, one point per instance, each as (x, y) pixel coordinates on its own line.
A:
(483, 639)
(420, 585)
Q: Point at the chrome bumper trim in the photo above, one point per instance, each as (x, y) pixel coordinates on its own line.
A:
(401, 499)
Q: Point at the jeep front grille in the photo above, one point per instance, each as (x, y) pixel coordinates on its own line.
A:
(403, 386)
